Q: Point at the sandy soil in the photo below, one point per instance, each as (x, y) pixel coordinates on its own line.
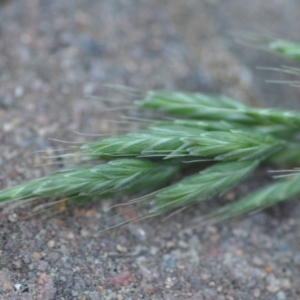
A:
(55, 53)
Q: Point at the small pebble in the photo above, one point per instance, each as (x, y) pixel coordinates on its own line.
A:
(285, 283)
(19, 91)
(121, 248)
(281, 295)
(170, 262)
(257, 261)
(18, 264)
(7, 286)
(197, 296)
(51, 244)
(273, 284)
(170, 245)
(183, 244)
(256, 293)
(84, 233)
(13, 217)
(91, 213)
(209, 294)
(168, 282)
(74, 293)
(70, 235)
(137, 231)
(100, 288)
(42, 265)
(36, 255)
(18, 286)
(121, 279)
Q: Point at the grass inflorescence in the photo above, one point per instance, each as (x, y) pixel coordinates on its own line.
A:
(231, 138)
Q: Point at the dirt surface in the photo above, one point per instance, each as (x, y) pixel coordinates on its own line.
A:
(53, 54)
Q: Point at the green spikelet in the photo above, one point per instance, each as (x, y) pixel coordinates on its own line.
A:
(274, 193)
(207, 107)
(208, 183)
(186, 141)
(110, 178)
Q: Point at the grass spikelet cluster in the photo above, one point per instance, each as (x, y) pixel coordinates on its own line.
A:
(232, 138)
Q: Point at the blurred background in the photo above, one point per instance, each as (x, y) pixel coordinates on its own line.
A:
(55, 53)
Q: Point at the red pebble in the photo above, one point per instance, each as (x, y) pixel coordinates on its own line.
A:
(42, 279)
(121, 279)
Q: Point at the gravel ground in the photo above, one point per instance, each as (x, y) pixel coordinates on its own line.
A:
(53, 54)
